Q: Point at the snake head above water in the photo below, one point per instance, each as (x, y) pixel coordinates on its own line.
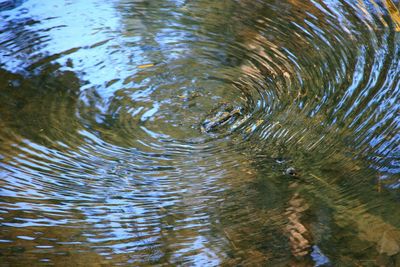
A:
(223, 115)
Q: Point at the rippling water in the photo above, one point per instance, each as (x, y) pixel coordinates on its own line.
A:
(103, 159)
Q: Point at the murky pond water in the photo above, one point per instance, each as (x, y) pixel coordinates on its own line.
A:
(200, 133)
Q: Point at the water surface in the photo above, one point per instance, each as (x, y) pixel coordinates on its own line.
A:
(103, 159)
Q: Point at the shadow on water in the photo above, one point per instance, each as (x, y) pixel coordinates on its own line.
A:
(205, 133)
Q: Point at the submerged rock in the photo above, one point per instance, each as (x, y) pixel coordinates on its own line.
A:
(292, 172)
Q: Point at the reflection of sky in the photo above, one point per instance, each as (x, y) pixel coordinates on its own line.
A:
(66, 27)
(104, 44)
(382, 109)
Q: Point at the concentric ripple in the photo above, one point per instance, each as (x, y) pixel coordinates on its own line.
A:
(104, 158)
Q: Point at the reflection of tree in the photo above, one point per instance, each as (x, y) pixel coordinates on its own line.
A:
(333, 203)
(37, 107)
(40, 105)
(10, 4)
(308, 134)
(38, 100)
(167, 30)
(233, 25)
(21, 45)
